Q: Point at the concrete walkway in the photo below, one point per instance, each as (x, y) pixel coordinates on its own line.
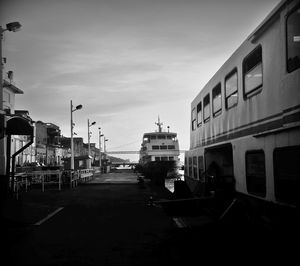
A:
(110, 222)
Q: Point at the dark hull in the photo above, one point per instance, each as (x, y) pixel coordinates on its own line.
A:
(158, 171)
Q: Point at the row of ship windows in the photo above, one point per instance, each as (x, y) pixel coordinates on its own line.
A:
(163, 147)
(286, 172)
(252, 75)
(164, 158)
(148, 138)
(252, 78)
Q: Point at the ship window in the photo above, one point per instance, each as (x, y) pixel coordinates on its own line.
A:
(161, 137)
(195, 167)
(293, 40)
(164, 158)
(155, 147)
(286, 174)
(217, 100)
(199, 114)
(193, 119)
(163, 147)
(157, 158)
(146, 139)
(190, 167)
(252, 72)
(152, 137)
(171, 147)
(206, 111)
(169, 137)
(255, 173)
(231, 89)
(200, 166)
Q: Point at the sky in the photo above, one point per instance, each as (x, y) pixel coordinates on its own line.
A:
(126, 61)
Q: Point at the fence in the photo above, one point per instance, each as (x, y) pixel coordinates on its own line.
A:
(51, 177)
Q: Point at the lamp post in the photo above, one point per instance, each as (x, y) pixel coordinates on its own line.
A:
(89, 136)
(78, 107)
(13, 26)
(105, 144)
(100, 135)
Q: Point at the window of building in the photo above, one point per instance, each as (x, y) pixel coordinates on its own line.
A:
(6, 97)
(217, 100)
(286, 174)
(171, 158)
(255, 173)
(81, 164)
(206, 111)
(252, 72)
(195, 174)
(164, 158)
(231, 89)
(163, 147)
(185, 166)
(157, 159)
(293, 39)
(155, 147)
(199, 114)
(193, 119)
(171, 147)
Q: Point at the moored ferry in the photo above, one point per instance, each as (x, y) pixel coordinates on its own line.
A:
(245, 122)
(159, 148)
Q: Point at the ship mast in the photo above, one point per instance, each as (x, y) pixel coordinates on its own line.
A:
(159, 124)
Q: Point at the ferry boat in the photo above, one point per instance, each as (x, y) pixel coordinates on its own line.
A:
(159, 153)
(245, 123)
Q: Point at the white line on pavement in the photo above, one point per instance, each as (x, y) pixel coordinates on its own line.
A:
(49, 216)
(179, 223)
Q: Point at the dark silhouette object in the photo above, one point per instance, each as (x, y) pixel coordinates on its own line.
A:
(181, 190)
(212, 178)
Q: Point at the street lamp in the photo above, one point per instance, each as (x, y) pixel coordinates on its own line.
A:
(78, 107)
(105, 144)
(89, 136)
(13, 26)
(100, 135)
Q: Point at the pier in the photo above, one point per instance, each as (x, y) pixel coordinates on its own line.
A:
(115, 220)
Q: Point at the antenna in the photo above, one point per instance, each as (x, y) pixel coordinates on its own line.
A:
(159, 124)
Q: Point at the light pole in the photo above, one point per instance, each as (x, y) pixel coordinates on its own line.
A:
(89, 136)
(13, 26)
(78, 107)
(100, 135)
(105, 144)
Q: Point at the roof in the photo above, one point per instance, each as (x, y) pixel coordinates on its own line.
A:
(12, 87)
(161, 133)
(271, 17)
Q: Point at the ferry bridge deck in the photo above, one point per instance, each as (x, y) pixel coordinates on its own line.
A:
(128, 152)
(131, 152)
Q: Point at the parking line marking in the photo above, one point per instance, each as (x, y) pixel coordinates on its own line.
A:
(49, 216)
(179, 223)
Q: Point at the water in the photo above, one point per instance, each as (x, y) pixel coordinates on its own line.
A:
(169, 183)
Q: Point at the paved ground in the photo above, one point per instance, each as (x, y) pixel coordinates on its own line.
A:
(110, 222)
